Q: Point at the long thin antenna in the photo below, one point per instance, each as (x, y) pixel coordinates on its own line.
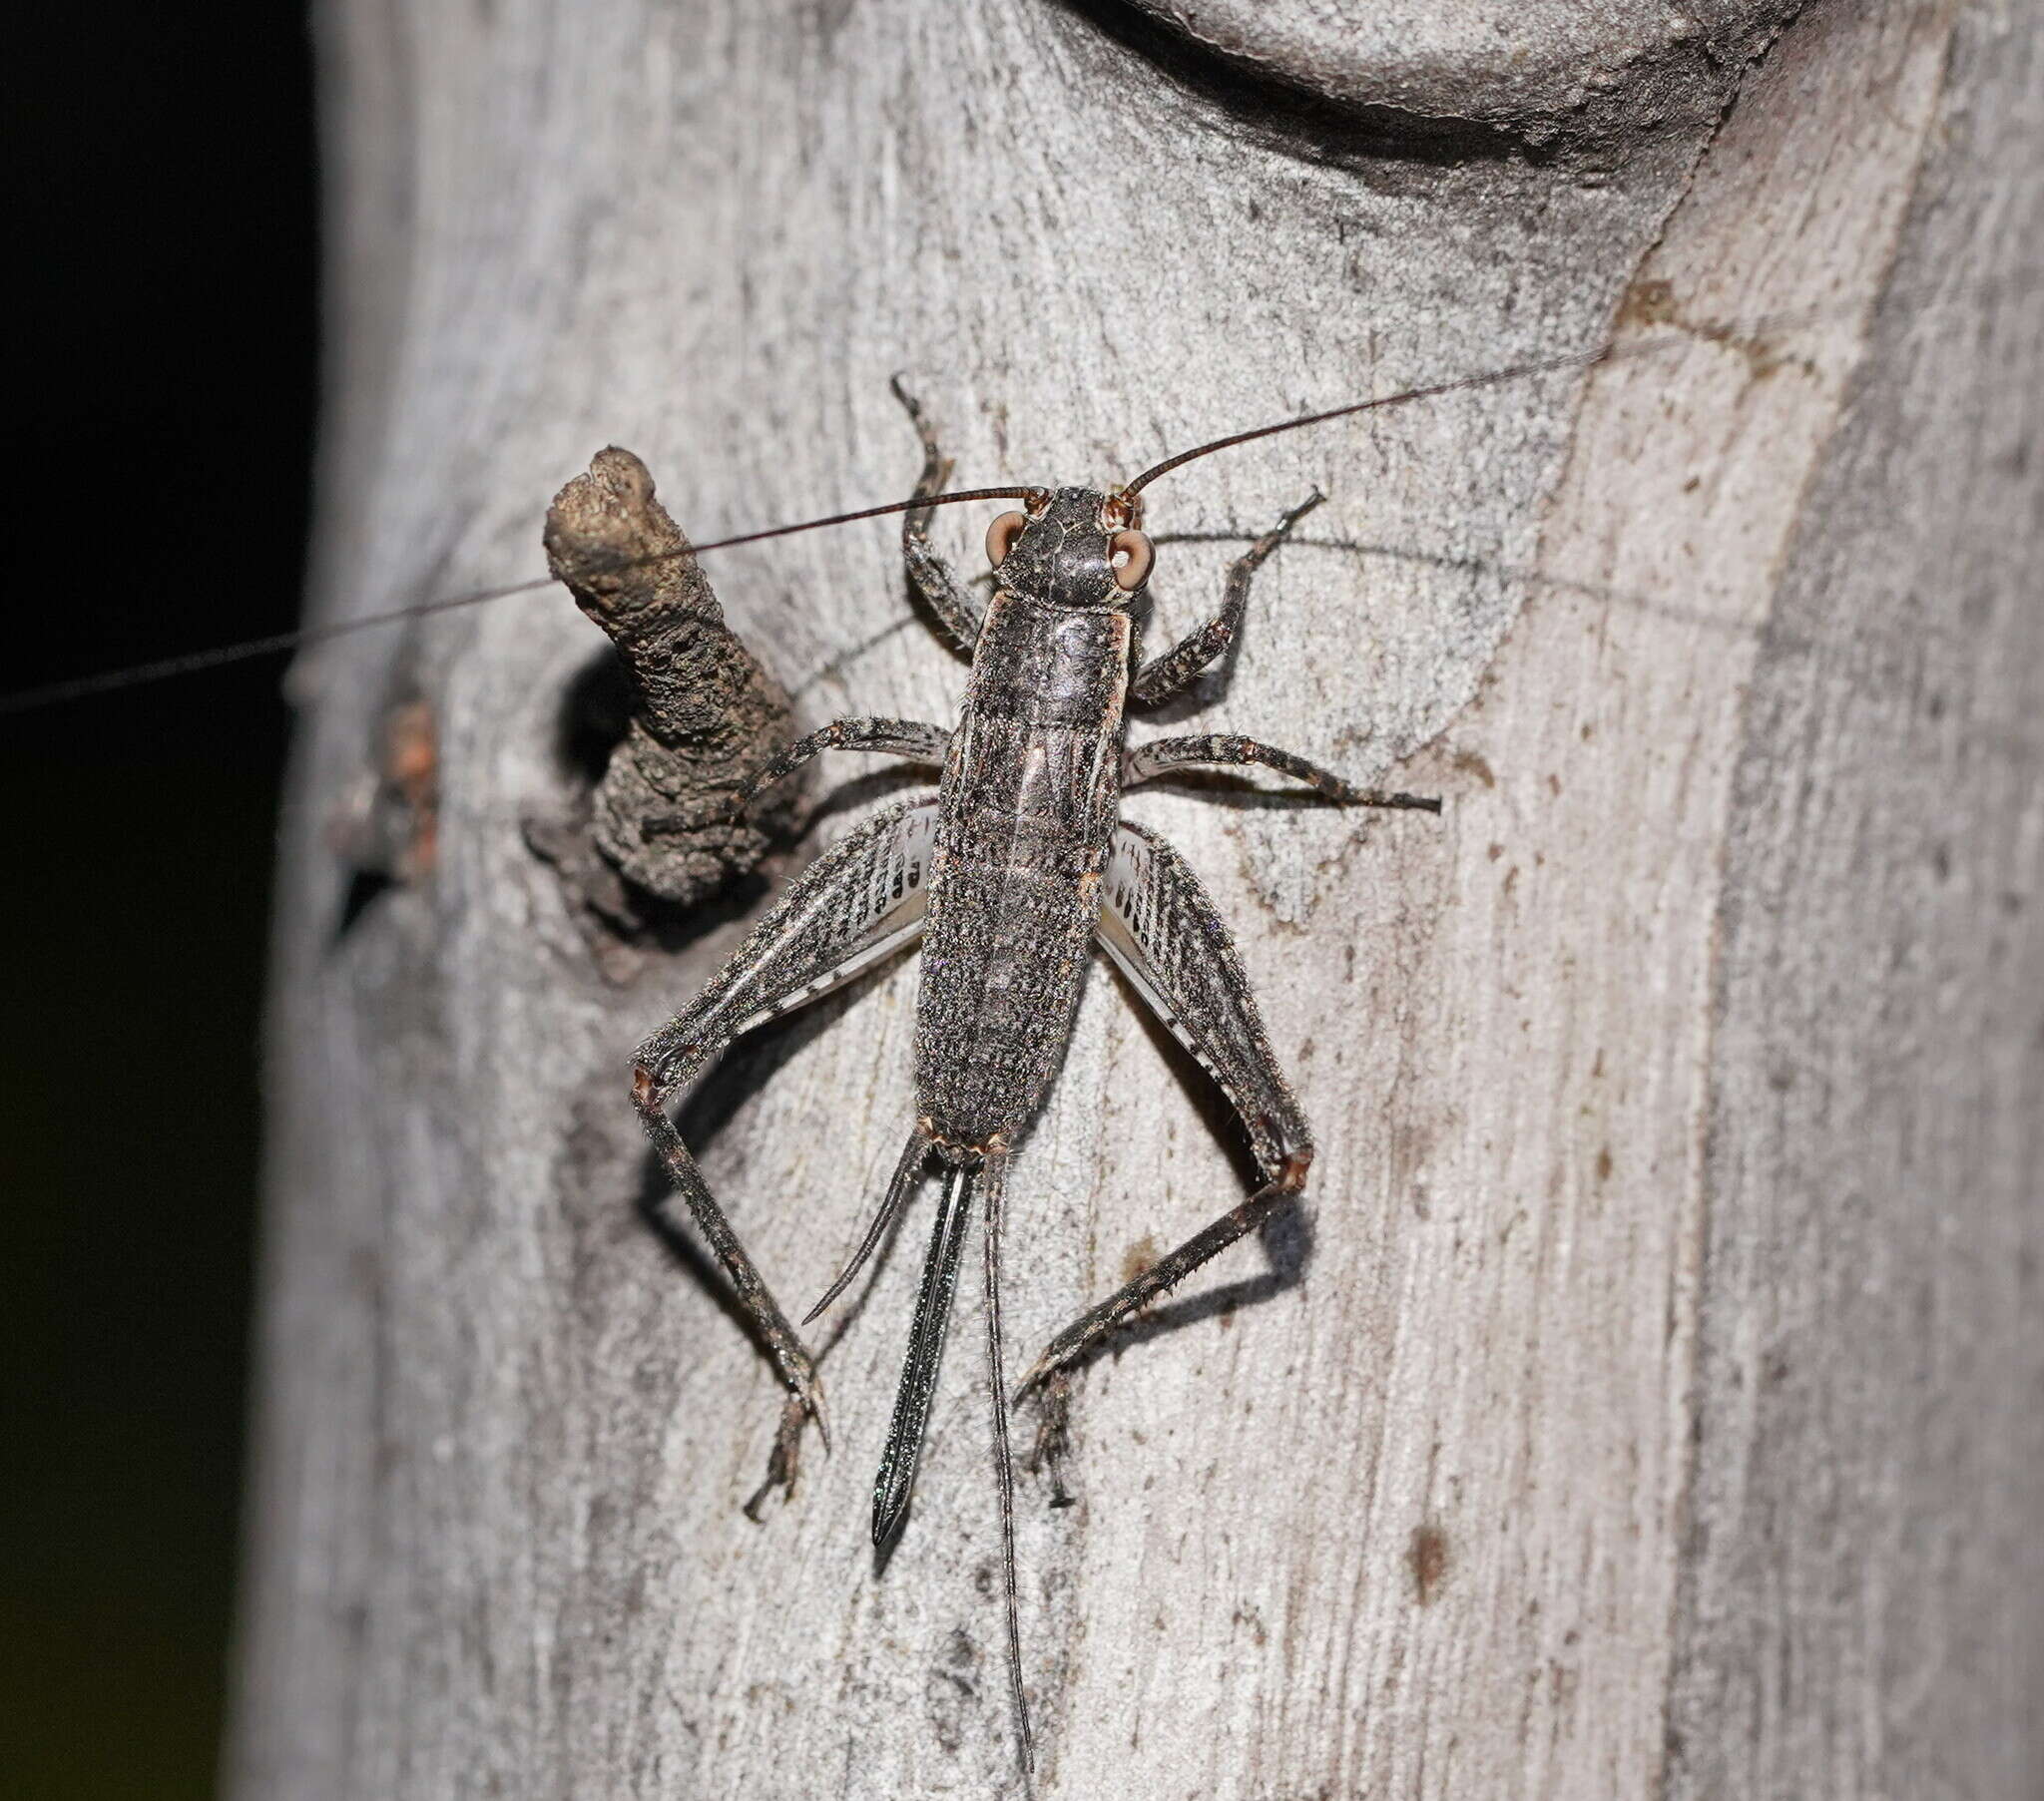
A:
(893, 506)
(136, 674)
(1462, 384)
(163, 668)
(1613, 352)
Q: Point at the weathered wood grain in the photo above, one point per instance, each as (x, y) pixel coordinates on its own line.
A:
(1643, 1403)
(1862, 1578)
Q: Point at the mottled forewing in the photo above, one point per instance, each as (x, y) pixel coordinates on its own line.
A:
(1163, 933)
(859, 902)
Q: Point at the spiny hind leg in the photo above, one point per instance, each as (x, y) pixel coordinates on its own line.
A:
(1094, 1327)
(1159, 926)
(930, 574)
(790, 1357)
(860, 901)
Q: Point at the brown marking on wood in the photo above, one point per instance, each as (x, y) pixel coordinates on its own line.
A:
(1139, 1258)
(1472, 762)
(1427, 1558)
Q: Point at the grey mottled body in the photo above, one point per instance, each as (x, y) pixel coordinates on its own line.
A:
(1010, 876)
(1026, 813)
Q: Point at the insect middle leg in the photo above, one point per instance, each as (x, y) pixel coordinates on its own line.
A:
(1159, 926)
(912, 739)
(1219, 749)
(860, 901)
(1174, 671)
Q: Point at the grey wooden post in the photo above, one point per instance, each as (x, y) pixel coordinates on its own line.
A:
(1646, 1405)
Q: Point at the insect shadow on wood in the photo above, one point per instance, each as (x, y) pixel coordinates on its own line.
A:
(711, 1108)
(1008, 878)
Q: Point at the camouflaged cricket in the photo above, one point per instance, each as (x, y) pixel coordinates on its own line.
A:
(1010, 876)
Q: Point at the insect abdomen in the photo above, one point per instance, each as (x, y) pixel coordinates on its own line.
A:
(1028, 807)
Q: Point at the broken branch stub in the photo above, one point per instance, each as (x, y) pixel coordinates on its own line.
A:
(706, 717)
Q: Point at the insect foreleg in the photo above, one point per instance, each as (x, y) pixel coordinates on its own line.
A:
(861, 900)
(1157, 925)
(930, 574)
(900, 737)
(1175, 671)
(1217, 749)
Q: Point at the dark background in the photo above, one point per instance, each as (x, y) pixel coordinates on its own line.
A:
(160, 382)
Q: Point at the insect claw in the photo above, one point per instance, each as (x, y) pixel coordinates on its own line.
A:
(784, 1461)
(1418, 803)
(811, 1404)
(1038, 1371)
(737, 808)
(1053, 1438)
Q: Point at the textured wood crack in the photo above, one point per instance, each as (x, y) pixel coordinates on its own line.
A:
(1859, 1605)
(1456, 81)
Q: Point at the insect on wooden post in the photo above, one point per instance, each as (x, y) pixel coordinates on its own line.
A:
(1010, 876)
(1664, 1098)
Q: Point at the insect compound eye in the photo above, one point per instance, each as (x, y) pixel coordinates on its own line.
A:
(1131, 555)
(1001, 536)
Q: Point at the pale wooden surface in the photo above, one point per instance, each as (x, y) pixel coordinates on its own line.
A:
(1652, 1410)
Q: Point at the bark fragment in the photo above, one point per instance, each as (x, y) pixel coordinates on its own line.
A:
(706, 717)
